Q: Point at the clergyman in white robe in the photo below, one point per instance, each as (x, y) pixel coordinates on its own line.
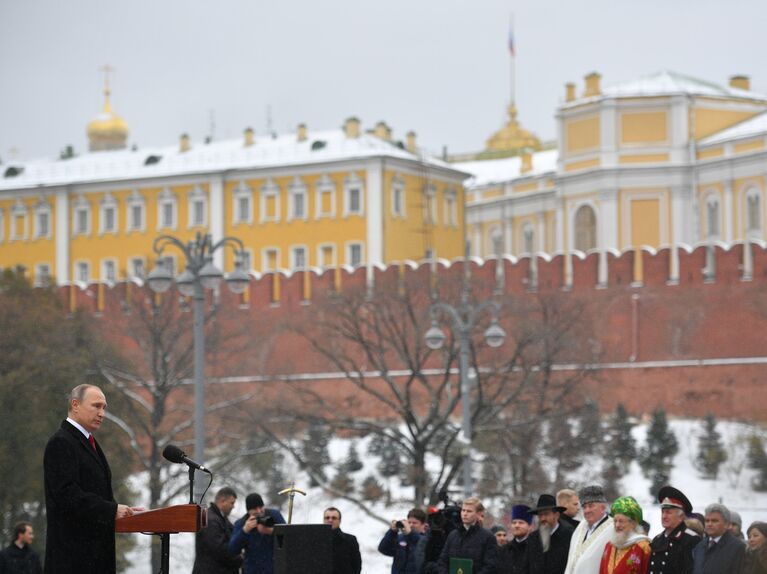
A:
(585, 556)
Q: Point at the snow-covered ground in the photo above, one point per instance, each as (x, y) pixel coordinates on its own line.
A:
(731, 488)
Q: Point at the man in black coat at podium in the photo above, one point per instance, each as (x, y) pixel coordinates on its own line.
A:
(212, 542)
(345, 549)
(81, 510)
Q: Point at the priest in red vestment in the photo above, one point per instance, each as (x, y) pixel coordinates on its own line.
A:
(628, 551)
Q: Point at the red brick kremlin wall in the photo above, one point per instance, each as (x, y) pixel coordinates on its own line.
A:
(694, 346)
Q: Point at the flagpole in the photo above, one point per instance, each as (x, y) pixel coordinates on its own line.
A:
(512, 55)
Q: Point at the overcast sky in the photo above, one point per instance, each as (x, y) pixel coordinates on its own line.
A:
(439, 67)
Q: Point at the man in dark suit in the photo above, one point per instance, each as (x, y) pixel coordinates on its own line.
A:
(548, 546)
(719, 551)
(81, 510)
(212, 542)
(346, 550)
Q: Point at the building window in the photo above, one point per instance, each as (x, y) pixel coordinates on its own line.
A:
(354, 254)
(712, 218)
(2, 225)
(108, 215)
(429, 205)
(528, 238)
(270, 259)
(451, 208)
(353, 202)
(753, 213)
(42, 220)
(242, 205)
(198, 208)
(135, 213)
(270, 202)
(19, 221)
(496, 241)
(83, 271)
(297, 204)
(109, 271)
(169, 262)
(398, 197)
(246, 260)
(325, 198)
(326, 255)
(298, 258)
(42, 275)
(166, 210)
(82, 223)
(585, 229)
(136, 268)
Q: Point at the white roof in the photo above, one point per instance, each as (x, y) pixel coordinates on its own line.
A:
(490, 171)
(666, 83)
(283, 150)
(751, 127)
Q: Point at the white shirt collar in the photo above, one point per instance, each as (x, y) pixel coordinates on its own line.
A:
(79, 427)
(553, 530)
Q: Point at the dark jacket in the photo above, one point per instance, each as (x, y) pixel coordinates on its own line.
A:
(474, 543)
(259, 548)
(672, 554)
(80, 506)
(512, 558)
(755, 561)
(346, 553)
(571, 521)
(403, 548)
(15, 560)
(554, 561)
(211, 546)
(432, 545)
(724, 558)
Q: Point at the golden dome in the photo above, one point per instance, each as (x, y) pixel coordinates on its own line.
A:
(512, 138)
(107, 130)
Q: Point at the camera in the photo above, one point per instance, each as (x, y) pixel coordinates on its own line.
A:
(265, 519)
(399, 525)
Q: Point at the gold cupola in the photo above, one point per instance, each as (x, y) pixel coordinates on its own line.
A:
(511, 139)
(107, 131)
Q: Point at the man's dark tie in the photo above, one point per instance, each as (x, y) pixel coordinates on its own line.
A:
(711, 543)
(92, 441)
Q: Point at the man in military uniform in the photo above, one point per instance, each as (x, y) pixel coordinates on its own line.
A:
(672, 548)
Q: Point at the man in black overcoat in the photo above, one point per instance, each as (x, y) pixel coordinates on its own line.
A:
(212, 542)
(719, 552)
(672, 548)
(81, 509)
(548, 547)
(345, 548)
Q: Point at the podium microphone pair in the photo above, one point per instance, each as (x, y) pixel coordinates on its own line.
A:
(175, 454)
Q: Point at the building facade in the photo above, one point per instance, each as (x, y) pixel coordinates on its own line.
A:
(663, 160)
(298, 201)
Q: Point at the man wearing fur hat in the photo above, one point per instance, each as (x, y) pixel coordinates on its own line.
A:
(549, 545)
(592, 534)
(512, 558)
(628, 551)
(672, 548)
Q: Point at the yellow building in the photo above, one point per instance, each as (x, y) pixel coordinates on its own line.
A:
(297, 201)
(662, 160)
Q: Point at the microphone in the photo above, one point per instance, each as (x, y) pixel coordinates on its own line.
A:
(175, 454)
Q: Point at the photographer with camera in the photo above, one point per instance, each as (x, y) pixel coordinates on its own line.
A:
(401, 541)
(254, 533)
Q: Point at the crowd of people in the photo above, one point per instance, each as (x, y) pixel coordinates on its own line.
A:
(581, 533)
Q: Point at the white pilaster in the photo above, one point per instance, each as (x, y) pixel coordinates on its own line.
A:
(608, 134)
(61, 235)
(727, 229)
(217, 217)
(607, 236)
(374, 213)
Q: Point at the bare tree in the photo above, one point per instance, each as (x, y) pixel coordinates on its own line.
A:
(407, 394)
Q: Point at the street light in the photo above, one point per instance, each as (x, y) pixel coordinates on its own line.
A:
(465, 318)
(200, 274)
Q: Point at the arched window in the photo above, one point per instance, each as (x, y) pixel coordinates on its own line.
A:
(528, 238)
(712, 218)
(585, 228)
(753, 213)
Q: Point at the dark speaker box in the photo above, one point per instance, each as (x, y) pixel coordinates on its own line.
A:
(303, 549)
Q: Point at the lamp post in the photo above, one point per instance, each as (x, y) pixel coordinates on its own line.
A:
(200, 274)
(465, 318)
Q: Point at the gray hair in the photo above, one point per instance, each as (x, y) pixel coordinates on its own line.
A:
(721, 509)
(78, 394)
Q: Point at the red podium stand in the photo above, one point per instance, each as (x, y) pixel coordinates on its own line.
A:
(164, 522)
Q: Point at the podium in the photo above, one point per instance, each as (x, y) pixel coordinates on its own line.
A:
(164, 522)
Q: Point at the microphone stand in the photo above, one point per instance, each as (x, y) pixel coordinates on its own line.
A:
(191, 485)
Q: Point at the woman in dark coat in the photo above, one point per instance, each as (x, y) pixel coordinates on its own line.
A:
(755, 561)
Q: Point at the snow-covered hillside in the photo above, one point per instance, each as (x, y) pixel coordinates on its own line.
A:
(732, 488)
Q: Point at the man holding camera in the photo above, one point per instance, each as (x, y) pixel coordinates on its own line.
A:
(401, 540)
(254, 533)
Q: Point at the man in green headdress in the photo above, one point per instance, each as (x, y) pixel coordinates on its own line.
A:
(628, 551)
